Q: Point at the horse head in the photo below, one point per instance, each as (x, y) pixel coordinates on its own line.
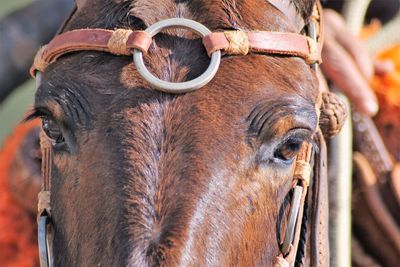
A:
(144, 178)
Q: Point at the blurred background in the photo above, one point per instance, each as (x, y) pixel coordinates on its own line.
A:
(13, 108)
(25, 25)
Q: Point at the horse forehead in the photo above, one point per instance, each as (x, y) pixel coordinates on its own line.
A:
(240, 84)
(225, 102)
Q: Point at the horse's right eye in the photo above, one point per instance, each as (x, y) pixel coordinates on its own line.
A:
(52, 130)
(289, 149)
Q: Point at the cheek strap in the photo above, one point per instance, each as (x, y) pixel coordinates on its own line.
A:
(47, 160)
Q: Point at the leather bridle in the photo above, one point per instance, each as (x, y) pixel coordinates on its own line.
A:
(127, 43)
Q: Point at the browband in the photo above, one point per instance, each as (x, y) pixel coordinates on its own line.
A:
(123, 42)
(279, 43)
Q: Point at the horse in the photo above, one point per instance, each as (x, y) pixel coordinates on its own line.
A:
(141, 177)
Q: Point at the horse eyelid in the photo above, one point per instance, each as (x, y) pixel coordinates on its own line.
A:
(36, 112)
(302, 134)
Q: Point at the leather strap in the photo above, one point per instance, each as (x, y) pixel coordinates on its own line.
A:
(277, 43)
(90, 40)
(319, 236)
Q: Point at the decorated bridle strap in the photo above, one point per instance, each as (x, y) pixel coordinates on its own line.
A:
(277, 43)
(122, 42)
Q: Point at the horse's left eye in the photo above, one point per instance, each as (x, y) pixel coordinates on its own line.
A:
(52, 130)
(289, 149)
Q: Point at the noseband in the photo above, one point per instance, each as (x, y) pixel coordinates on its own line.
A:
(124, 42)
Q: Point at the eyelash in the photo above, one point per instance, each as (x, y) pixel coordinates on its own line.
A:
(47, 121)
(37, 113)
(285, 145)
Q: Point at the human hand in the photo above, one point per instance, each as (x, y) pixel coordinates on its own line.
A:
(347, 64)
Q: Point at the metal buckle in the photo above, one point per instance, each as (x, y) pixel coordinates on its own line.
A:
(183, 87)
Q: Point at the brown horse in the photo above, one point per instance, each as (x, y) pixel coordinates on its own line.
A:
(145, 178)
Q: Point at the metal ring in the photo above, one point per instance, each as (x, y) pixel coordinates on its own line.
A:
(183, 87)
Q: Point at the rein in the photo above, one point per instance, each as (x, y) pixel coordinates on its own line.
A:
(123, 42)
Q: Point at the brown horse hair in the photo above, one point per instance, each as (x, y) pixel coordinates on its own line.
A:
(145, 178)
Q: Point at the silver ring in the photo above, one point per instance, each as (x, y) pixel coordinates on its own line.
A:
(183, 87)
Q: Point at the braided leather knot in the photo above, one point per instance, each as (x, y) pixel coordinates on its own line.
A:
(238, 43)
(333, 114)
(117, 42)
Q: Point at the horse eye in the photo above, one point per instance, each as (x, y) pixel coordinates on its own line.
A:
(52, 130)
(288, 150)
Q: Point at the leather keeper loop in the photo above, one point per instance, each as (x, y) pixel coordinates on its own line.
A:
(117, 44)
(139, 40)
(44, 202)
(314, 55)
(302, 172)
(238, 43)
